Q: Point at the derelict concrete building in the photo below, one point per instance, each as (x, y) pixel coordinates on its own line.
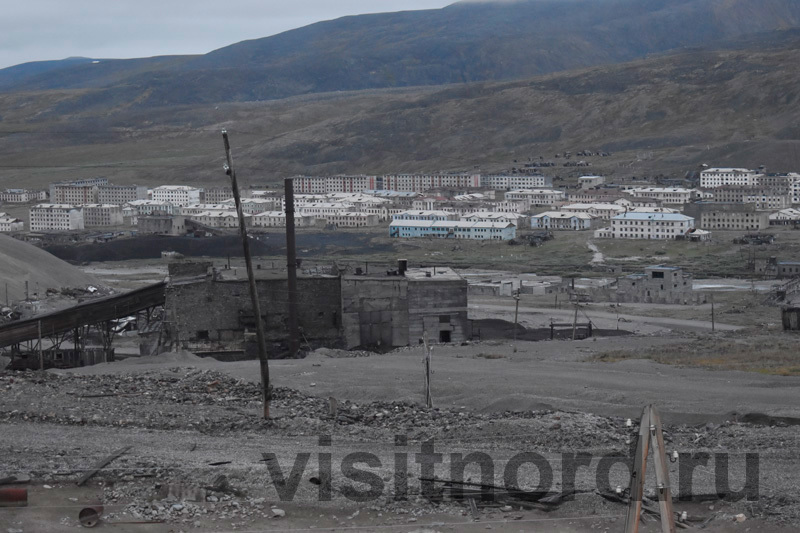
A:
(208, 311)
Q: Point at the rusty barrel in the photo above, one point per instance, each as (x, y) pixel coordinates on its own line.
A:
(13, 497)
(90, 516)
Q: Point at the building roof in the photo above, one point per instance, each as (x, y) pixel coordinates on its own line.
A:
(727, 169)
(450, 224)
(54, 206)
(631, 215)
(614, 207)
(564, 215)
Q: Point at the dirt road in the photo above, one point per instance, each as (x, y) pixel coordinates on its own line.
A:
(540, 316)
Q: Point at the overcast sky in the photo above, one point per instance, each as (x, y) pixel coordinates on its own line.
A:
(36, 30)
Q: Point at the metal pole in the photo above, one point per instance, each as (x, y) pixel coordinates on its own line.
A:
(291, 265)
(260, 337)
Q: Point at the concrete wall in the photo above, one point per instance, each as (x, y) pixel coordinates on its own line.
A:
(375, 311)
(219, 312)
(437, 306)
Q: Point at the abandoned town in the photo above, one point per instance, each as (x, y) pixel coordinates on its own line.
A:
(563, 296)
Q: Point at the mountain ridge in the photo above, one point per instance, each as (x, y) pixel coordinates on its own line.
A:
(461, 43)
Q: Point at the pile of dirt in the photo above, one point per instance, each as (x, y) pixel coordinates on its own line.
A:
(21, 262)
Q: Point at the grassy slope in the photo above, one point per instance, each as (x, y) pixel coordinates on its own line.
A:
(664, 114)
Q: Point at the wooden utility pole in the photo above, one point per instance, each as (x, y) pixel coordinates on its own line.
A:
(575, 322)
(516, 315)
(650, 433)
(427, 362)
(713, 325)
(291, 266)
(260, 337)
(41, 355)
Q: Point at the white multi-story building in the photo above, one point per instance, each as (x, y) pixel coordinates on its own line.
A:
(196, 209)
(517, 219)
(56, 217)
(718, 177)
(323, 209)
(277, 219)
(70, 193)
(515, 182)
(180, 195)
(253, 206)
(148, 207)
(537, 197)
(9, 223)
(69, 190)
(767, 198)
(601, 211)
(352, 220)
(647, 226)
(220, 219)
(425, 182)
(331, 184)
(413, 214)
(120, 194)
(101, 215)
(22, 196)
(453, 229)
(668, 195)
(562, 220)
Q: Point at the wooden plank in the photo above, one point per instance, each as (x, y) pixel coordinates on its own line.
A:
(102, 464)
(637, 474)
(662, 475)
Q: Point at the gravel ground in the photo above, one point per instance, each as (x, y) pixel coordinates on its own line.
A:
(181, 419)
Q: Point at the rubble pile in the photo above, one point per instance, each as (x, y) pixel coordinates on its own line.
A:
(219, 403)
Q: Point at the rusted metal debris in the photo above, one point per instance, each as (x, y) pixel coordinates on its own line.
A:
(102, 464)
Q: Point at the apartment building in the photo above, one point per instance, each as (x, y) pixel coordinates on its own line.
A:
(254, 206)
(220, 219)
(91, 183)
(449, 229)
(120, 194)
(424, 182)
(56, 217)
(102, 215)
(22, 196)
(601, 211)
(413, 214)
(332, 184)
(519, 220)
(9, 223)
(719, 177)
(513, 182)
(196, 209)
(352, 220)
(667, 195)
(324, 209)
(180, 195)
(790, 180)
(647, 226)
(761, 197)
(277, 219)
(562, 220)
(216, 195)
(727, 216)
(70, 193)
(536, 197)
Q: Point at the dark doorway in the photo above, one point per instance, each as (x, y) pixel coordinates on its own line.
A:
(444, 335)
